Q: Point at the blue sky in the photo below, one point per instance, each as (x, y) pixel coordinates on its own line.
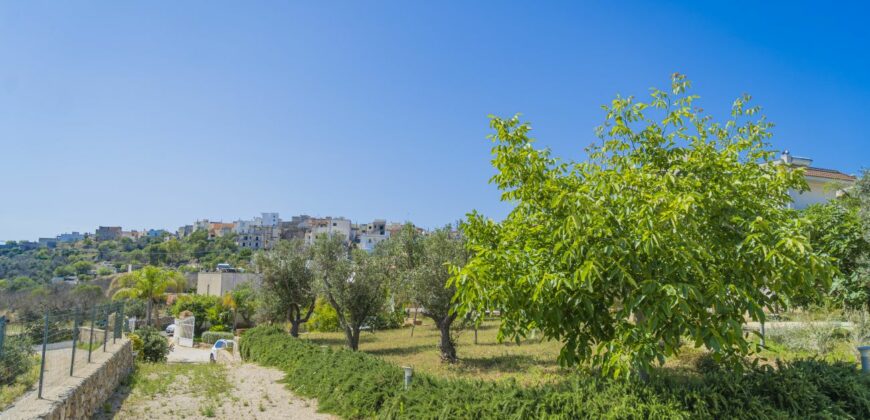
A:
(158, 113)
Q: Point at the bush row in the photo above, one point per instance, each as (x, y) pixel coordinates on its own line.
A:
(211, 337)
(357, 385)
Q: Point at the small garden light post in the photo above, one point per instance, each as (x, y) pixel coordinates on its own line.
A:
(409, 374)
(865, 358)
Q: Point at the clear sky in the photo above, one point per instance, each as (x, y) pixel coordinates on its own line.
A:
(155, 114)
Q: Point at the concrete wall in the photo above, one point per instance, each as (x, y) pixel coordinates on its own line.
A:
(217, 284)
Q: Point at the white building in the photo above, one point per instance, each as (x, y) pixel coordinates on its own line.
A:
(218, 284)
(825, 184)
(329, 226)
(368, 235)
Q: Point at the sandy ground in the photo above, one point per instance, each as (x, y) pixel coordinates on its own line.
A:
(257, 395)
(181, 354)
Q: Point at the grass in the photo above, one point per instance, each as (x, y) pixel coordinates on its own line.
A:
(530, 362)
(8, 394)
(84, 345)
(206, 382)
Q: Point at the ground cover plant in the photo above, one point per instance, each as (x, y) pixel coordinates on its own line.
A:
(359, 385)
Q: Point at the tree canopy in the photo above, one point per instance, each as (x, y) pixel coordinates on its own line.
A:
(288, 291)
(676, 226)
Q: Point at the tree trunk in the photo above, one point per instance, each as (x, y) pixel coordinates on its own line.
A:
(414, 322)
(642, 371)
(148, 320)
(448, 350)
(294, 327)
(352, 336)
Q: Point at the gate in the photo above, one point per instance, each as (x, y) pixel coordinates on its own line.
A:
(184, 331)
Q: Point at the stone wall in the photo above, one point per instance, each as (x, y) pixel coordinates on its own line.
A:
(83, 396)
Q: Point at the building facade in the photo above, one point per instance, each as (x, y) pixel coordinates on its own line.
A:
(824, 184)
(220, 283)
(107, 233)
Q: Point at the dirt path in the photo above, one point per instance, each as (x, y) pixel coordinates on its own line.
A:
(254, 393)
(269, 398)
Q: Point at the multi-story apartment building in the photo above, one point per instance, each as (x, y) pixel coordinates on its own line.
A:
(329, 226)
(107, 233)
(368, 235)
(295, 228)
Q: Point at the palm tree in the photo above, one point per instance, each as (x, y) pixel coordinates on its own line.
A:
(150, 283)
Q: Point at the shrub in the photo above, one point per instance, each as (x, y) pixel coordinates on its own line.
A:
(218, 328)
(137, 344)
(56, 333)
(324, 318)
(154, 346)
(211, 336)
(357, 385)
(15, 360)
(386, 319)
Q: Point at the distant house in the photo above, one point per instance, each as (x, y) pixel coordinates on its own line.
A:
(184, 231)
(156, 233)
(825, 184)
(219, 283)
(70, 237)
(108, 233)
(48, 243)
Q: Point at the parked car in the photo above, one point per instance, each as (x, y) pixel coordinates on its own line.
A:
(223, 343)
(170, 329)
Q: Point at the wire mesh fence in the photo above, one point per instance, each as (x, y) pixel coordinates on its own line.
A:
(58, 342)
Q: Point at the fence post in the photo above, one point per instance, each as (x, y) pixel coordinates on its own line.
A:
(75, 335)
(42, 362)
(106, 331)
(123, 321)
(91, 340)
(114, 325)
(2, 333)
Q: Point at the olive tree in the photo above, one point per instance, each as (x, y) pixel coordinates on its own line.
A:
(288, 291)
(425, 262)
(675, 227)
(353, 282)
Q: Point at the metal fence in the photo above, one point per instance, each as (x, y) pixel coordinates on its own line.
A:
(57, 343)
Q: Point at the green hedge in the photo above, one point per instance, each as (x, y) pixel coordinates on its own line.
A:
(357, 385)
(211, 337)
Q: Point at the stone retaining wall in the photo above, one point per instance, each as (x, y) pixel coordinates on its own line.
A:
(83, 395)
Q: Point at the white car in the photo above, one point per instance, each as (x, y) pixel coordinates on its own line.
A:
(221, 344)
(170, 329)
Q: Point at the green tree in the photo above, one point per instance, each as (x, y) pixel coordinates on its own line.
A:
(149, 284)
(82, 268)
(836, 230)
(245, 302)
(674, 227)
(288, 283)
(426, 262)
(201, 306)
(353, 283)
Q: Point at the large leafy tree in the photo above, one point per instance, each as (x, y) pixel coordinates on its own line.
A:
(149, 284)
(675, 226)
(352, 282)
(288, 283)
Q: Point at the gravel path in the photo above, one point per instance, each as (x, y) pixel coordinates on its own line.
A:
(257, 394)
